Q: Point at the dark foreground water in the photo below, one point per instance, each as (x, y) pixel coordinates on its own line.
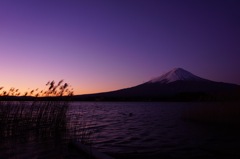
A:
(155, 130)
(135, 130)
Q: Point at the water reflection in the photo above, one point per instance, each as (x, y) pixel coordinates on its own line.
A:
(155, 128)
(129, 130)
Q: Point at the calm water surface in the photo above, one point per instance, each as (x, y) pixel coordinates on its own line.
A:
(134, 130)
(156, 129)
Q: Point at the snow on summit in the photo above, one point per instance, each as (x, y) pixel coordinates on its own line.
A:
(176, 75)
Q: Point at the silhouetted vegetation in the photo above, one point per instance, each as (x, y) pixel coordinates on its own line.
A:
(40, 115)
(21, 117)
(54, 90)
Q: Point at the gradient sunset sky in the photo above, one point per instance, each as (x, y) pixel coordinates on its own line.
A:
(104, 45)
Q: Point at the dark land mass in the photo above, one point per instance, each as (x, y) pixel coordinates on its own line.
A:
(175, 85)
(175, 91)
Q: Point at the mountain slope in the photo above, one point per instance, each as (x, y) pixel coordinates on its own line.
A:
(177, 84)
(177, 74)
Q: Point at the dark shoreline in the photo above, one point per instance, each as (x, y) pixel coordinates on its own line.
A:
(96, 98)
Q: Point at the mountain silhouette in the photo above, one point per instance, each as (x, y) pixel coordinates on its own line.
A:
(177, 74)
(175, 85)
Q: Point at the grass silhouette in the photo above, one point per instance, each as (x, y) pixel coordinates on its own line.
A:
(42, 118)
(37, 116)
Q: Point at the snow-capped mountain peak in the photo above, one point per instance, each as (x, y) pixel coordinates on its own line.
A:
(177, 74)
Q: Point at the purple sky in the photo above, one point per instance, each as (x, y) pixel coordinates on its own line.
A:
(106, 45)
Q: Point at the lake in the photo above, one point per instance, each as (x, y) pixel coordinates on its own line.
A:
(135, 130)
(154, 129)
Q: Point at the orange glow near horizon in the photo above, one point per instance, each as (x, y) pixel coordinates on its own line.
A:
(52, 88)
(78, 89)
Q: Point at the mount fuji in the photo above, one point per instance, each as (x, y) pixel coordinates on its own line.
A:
(177, 74)
(175, 85)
